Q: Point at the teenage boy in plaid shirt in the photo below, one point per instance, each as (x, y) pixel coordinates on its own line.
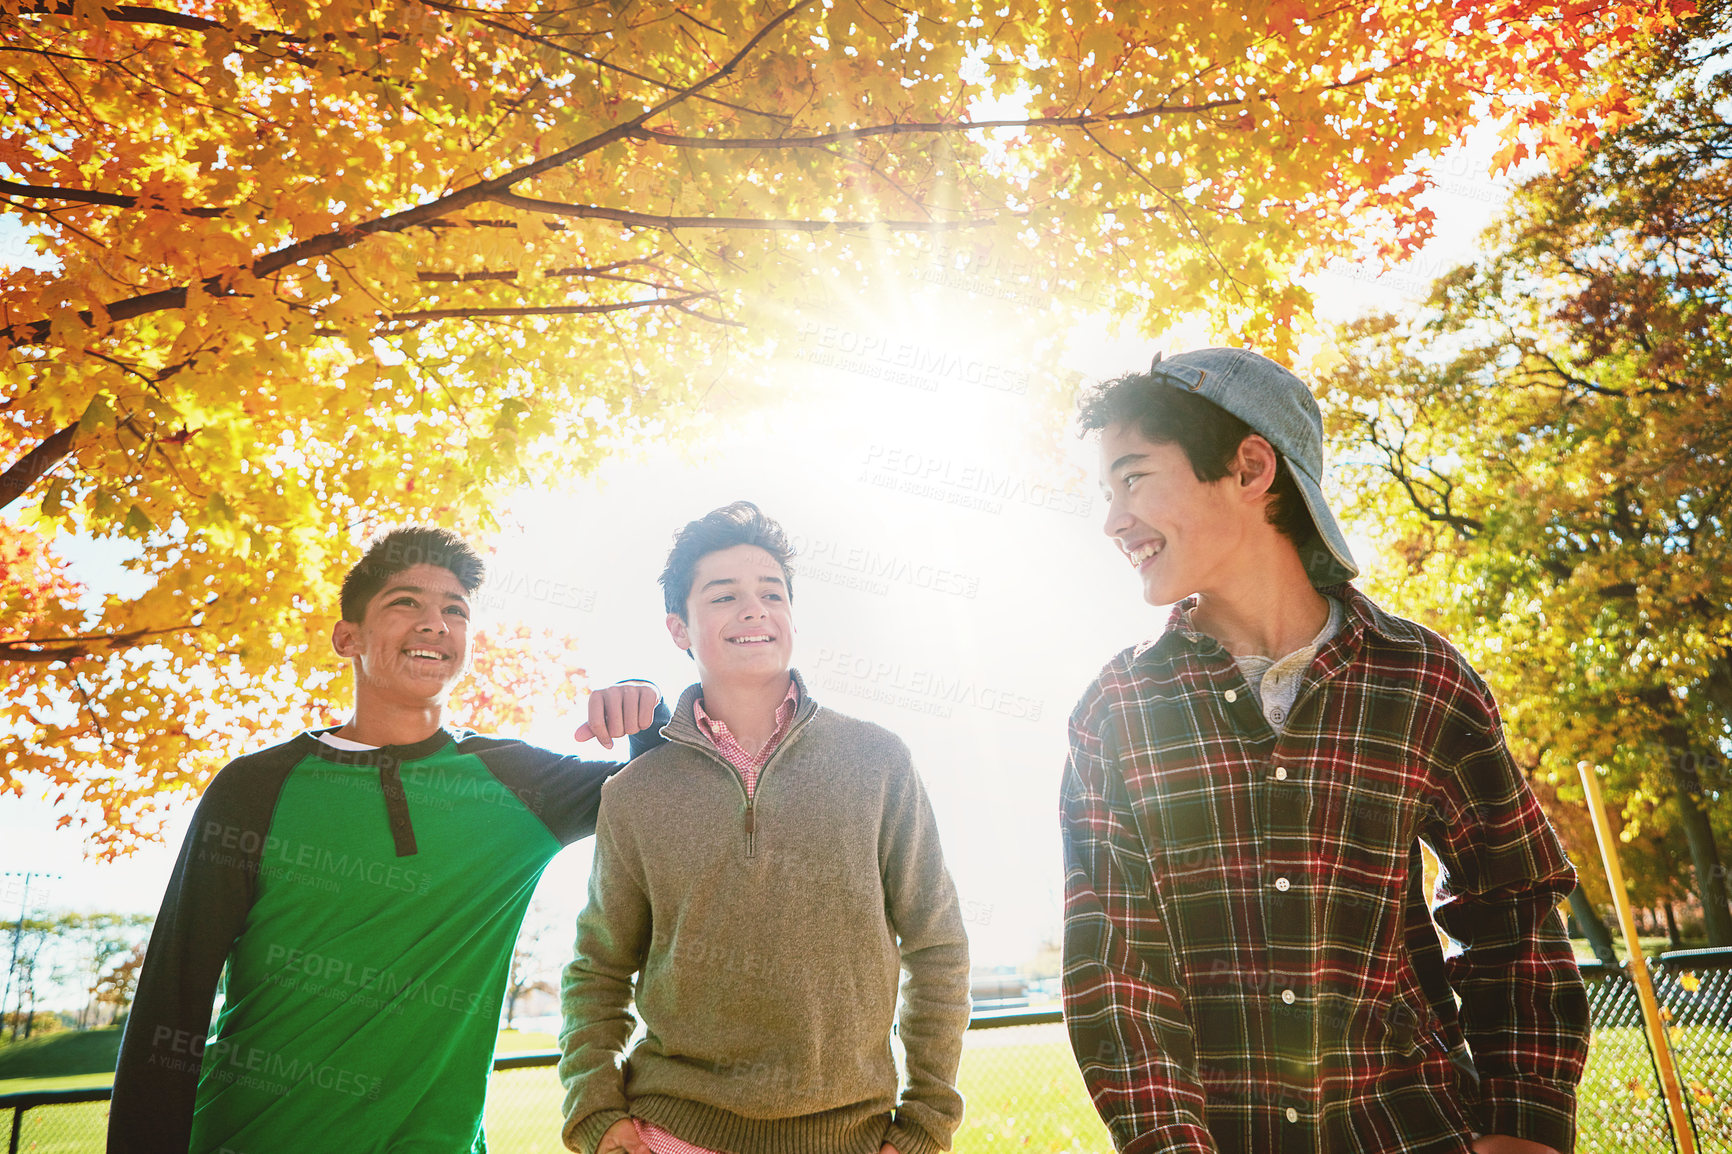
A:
(1250, 963)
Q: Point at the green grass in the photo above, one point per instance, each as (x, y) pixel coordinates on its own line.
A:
(64, 1082)
(1024, 1094)
(61, 1053)
(1650, 947)
(1021, 1085)
(522, 1042)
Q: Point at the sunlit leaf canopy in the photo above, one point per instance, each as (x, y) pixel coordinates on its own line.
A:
(1546, 450)
(324, 266)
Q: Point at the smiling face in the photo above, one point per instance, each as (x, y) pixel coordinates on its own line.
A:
(412, 643)
(738, 623)
(1180, 534)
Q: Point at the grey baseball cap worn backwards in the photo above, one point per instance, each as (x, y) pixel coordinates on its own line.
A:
(1278, 406)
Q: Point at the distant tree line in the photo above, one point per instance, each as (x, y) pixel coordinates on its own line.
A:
(94, 957)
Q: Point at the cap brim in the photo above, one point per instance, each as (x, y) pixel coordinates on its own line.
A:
(1327, 559)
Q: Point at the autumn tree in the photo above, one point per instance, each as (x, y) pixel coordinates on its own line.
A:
(1547, 452)
(100, 953)
(315, 267)
(111, 995)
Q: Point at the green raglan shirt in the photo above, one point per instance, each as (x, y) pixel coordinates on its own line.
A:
(366, 903)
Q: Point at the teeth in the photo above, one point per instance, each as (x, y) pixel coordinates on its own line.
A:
(426, 653)
(744, 640)
(1143, 552)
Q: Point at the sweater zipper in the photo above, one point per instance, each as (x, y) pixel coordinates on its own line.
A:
(751, 800)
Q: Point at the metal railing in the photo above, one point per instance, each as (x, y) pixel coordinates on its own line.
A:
(1024, 1092)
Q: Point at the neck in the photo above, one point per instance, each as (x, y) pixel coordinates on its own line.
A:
(393, 723)
(1268, 607)
(748, 709)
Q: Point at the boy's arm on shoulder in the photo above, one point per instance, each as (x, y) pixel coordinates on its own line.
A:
(202, 914)
(650, 738)
(613, 934)
(1523, 1008)
(563, 790)
(632, 708)
(1125, 1010)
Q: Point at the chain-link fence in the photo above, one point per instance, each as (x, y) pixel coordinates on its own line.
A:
(1024, 1092)
(56, 1121)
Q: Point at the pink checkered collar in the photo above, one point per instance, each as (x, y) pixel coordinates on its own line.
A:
(717, 731)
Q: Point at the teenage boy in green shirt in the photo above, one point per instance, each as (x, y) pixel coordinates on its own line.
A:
(767, 875)
(363, 886)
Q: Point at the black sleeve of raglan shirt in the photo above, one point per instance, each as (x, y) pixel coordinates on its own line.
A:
(203, 911)
(563, 791)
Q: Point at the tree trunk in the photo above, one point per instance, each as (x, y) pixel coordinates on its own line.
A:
(1672, 933)
(1593, 927)
(1704, 854)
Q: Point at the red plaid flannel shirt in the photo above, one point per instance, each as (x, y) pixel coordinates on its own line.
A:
(1250, 964)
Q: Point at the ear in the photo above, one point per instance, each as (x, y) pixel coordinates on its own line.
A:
(678, 631)
(1255, 467)
(346, 638)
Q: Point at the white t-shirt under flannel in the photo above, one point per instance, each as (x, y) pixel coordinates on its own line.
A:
(1275, 681)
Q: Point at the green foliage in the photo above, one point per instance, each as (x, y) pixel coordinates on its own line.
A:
(1545, 454)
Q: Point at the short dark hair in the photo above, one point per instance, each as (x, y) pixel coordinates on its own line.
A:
(741, 523)
(391, 553)
(1209, 435)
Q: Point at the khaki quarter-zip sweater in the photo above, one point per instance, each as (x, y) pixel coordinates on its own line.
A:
(768, 936)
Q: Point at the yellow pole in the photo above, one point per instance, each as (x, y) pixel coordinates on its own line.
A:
(1657, 1041)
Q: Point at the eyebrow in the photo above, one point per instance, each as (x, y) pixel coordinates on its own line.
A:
(1127, 459)
(421, 591)
(708, 585)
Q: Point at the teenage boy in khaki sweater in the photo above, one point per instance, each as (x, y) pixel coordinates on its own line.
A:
(767, 875)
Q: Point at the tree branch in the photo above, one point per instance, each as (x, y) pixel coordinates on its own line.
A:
(1395, 460)
(466, 277)
(1084, 120)
(35, 332)
(133, 14)
(648, 220)
(591, 58)
(541, 310)
(89, 196)
(49, 649)
(32, 466)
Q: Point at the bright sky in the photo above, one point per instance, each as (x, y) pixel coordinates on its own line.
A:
(953, 582)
